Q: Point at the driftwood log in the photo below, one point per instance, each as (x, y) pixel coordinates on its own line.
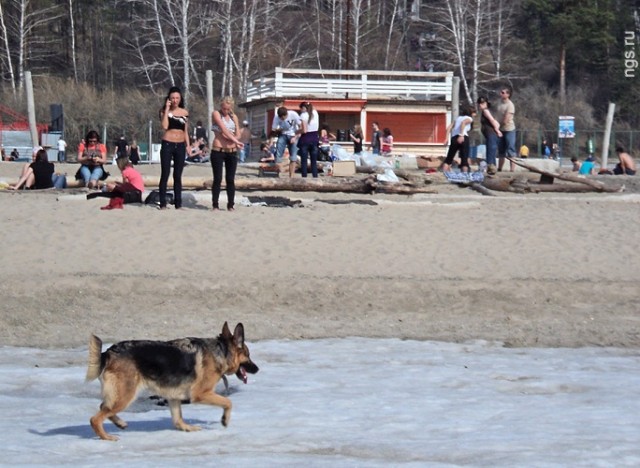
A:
(548, 177)
(520, 184)
(324, 184)
(328, 184)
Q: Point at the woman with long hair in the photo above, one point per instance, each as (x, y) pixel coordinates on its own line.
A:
(387, 142)
(224, 151)
(174, 119)
(309, 139)
(40, 174)
(490, 128)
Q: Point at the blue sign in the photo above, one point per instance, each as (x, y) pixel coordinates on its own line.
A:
(566, 126)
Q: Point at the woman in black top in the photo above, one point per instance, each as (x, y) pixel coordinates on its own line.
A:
(40, 174)
(356, 137)
(175, 145)
(134, 155)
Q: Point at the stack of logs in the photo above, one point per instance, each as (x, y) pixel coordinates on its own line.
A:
(411, 182)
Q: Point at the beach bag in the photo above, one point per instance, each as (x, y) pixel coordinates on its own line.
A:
(154, 198)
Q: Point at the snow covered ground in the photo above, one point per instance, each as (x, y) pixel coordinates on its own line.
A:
(346, 402)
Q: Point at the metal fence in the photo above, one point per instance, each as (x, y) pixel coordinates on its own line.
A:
(580, 145)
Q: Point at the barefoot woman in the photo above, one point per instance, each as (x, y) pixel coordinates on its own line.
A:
(175, 145)
(224, 151)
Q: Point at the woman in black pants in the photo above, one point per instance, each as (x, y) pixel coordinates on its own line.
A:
(224, 151)
(459, 130)
(175, 145)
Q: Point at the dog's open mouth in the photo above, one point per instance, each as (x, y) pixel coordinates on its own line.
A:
(242, 375)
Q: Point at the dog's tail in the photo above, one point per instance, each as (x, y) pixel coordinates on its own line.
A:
(95, 358)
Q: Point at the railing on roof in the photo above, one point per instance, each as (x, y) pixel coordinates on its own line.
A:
(369, 84)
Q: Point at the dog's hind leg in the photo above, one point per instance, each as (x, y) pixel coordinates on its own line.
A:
(176, 416)
(117, 395)
(119, 422)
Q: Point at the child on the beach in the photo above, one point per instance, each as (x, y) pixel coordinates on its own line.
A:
(575, 164)
(268, 148)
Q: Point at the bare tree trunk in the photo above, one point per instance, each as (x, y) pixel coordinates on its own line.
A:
(392, 23)
(73, 41)
(163, 42)
(22, 39)
(5, 39)
(476, 51)
(358, 13)
(184, 39)
(563, 76)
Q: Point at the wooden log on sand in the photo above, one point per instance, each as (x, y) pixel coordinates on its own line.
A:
(549, 176)
(328, 184)
(521, 185)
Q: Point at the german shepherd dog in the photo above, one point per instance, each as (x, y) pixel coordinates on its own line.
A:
(182, 369)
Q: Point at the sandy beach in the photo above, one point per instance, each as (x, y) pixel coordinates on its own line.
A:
(544, 270)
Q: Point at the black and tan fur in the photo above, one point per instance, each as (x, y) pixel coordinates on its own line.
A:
(183, 369)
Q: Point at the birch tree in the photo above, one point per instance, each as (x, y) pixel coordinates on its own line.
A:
(23, 26)
(7, 48)
(470, 37)
(72, 37)
(165, 34)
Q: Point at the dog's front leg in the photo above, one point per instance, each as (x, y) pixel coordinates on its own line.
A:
(176, 416)
(212, 398)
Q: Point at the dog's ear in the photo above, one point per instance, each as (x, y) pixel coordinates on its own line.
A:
(226, 333)
(238, 335)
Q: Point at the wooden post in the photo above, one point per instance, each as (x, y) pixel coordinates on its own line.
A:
(455, 98)
(607, 135)
(209, 78)
(31, 110)
(150, 148)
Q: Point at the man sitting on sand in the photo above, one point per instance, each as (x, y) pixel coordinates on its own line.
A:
(626, 165)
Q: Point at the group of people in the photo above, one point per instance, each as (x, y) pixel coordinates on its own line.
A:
(301, 134)
(13, 156)
(381, 140)
(298, 133)
(497, 126)
(625, 166)
(499, 130)
(176, 144)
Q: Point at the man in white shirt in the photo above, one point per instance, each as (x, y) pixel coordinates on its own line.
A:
(287, 123)
(62, 150)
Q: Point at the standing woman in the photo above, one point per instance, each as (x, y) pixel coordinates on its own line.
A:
(309, 139)
(175, 145)
(134, 153)
(459, 130)
(356, 137)
(490, 128)
(224, 150)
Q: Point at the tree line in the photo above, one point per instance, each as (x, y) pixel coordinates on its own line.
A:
(561, 56)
